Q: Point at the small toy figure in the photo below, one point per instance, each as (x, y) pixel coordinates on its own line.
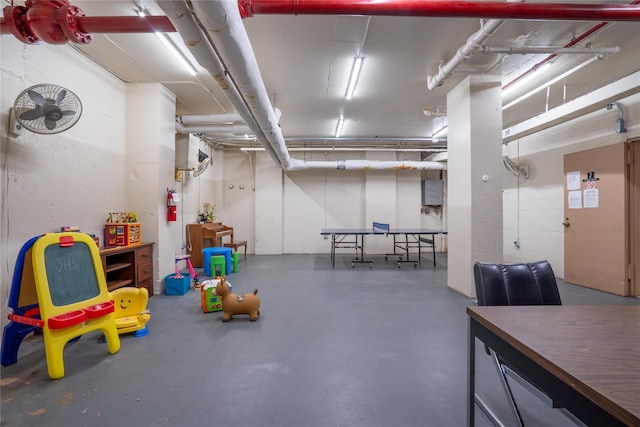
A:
(237, 304)
(131, 312)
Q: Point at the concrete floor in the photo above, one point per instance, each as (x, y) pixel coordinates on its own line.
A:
(333, 347)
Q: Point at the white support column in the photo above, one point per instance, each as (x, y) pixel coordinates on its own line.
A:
(474, 116)
(150, 152)
(269, 207)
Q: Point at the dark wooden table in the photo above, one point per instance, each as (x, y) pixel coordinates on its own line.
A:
(586, 358)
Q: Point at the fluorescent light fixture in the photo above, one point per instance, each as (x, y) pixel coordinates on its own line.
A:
(353, 77)
(171, 47)
(526, 78)
(440, 132)
(339, 127)
(552, 81)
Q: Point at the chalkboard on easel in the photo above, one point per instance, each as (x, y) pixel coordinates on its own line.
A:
(70, 273)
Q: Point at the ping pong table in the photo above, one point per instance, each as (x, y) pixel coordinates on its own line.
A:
(404, 241)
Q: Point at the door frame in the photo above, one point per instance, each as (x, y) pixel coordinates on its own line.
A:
(633, 206)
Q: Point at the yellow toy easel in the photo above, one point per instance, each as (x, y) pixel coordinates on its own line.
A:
(72, 294)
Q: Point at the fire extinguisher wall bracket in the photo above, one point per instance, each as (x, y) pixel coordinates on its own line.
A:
(171, 206)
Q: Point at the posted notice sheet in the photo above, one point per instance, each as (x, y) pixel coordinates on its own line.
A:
(575, 199)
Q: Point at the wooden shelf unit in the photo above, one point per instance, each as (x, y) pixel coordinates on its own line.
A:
(129, 266)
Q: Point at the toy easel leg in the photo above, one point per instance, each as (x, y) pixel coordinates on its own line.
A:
(14, 333)
(113, 339)
(53, 348)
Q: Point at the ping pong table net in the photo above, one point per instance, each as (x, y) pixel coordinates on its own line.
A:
(380, 227)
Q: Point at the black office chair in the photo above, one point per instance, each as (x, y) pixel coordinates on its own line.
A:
(515, 284)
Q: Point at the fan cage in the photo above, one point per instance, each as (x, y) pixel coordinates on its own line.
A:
(71, 102)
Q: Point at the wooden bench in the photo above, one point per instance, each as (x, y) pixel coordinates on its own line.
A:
(235, 245)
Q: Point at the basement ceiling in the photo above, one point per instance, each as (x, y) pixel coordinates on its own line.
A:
(305, 63)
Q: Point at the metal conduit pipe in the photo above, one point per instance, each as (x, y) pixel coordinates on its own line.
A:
(222, 123)
(234, 129)
(444, 9)
(210, 119)
(214, 119)
(199, 44)
(223, 23)
(486, 49)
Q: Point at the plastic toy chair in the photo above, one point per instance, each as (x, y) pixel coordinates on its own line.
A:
(131, 312)
(235, 258)
(218, 261)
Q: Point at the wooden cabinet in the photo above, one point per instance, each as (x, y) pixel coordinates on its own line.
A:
(129, 266)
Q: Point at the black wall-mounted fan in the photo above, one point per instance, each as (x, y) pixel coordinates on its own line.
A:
(47, 109)
(203, 163)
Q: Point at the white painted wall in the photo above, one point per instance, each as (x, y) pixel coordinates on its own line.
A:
(70, 178)
(118, 157)
(292, 208)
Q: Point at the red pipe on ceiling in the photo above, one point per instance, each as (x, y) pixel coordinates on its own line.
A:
(444, 9)
(126, 24)
(58, 22)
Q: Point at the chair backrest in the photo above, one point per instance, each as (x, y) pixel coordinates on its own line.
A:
(516, 284)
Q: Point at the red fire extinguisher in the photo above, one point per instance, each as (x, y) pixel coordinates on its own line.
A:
(171, 207)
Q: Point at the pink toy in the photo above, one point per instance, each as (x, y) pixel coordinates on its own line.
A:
(192, 272)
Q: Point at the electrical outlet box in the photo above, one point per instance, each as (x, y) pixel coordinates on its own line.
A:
(432, 192)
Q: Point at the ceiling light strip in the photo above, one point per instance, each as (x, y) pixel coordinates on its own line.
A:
(353, 77)
(339, 127)
(170, 45)
(177, 53)
(552, 81)
(440, 132)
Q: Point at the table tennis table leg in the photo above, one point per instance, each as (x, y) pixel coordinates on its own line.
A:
(333, 251)
(433, 248)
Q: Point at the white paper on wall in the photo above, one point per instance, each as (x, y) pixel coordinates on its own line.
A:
(575, 199)
(573, 181)
(591, 198)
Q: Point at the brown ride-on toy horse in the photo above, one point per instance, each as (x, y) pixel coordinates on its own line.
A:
(237, 304)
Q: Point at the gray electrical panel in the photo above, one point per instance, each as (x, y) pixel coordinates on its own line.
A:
(432, 192)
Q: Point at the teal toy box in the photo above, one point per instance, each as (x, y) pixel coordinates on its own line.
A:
(176, 285)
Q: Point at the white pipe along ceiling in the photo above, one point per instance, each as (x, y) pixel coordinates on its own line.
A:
(223, 123)
(233, 55)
